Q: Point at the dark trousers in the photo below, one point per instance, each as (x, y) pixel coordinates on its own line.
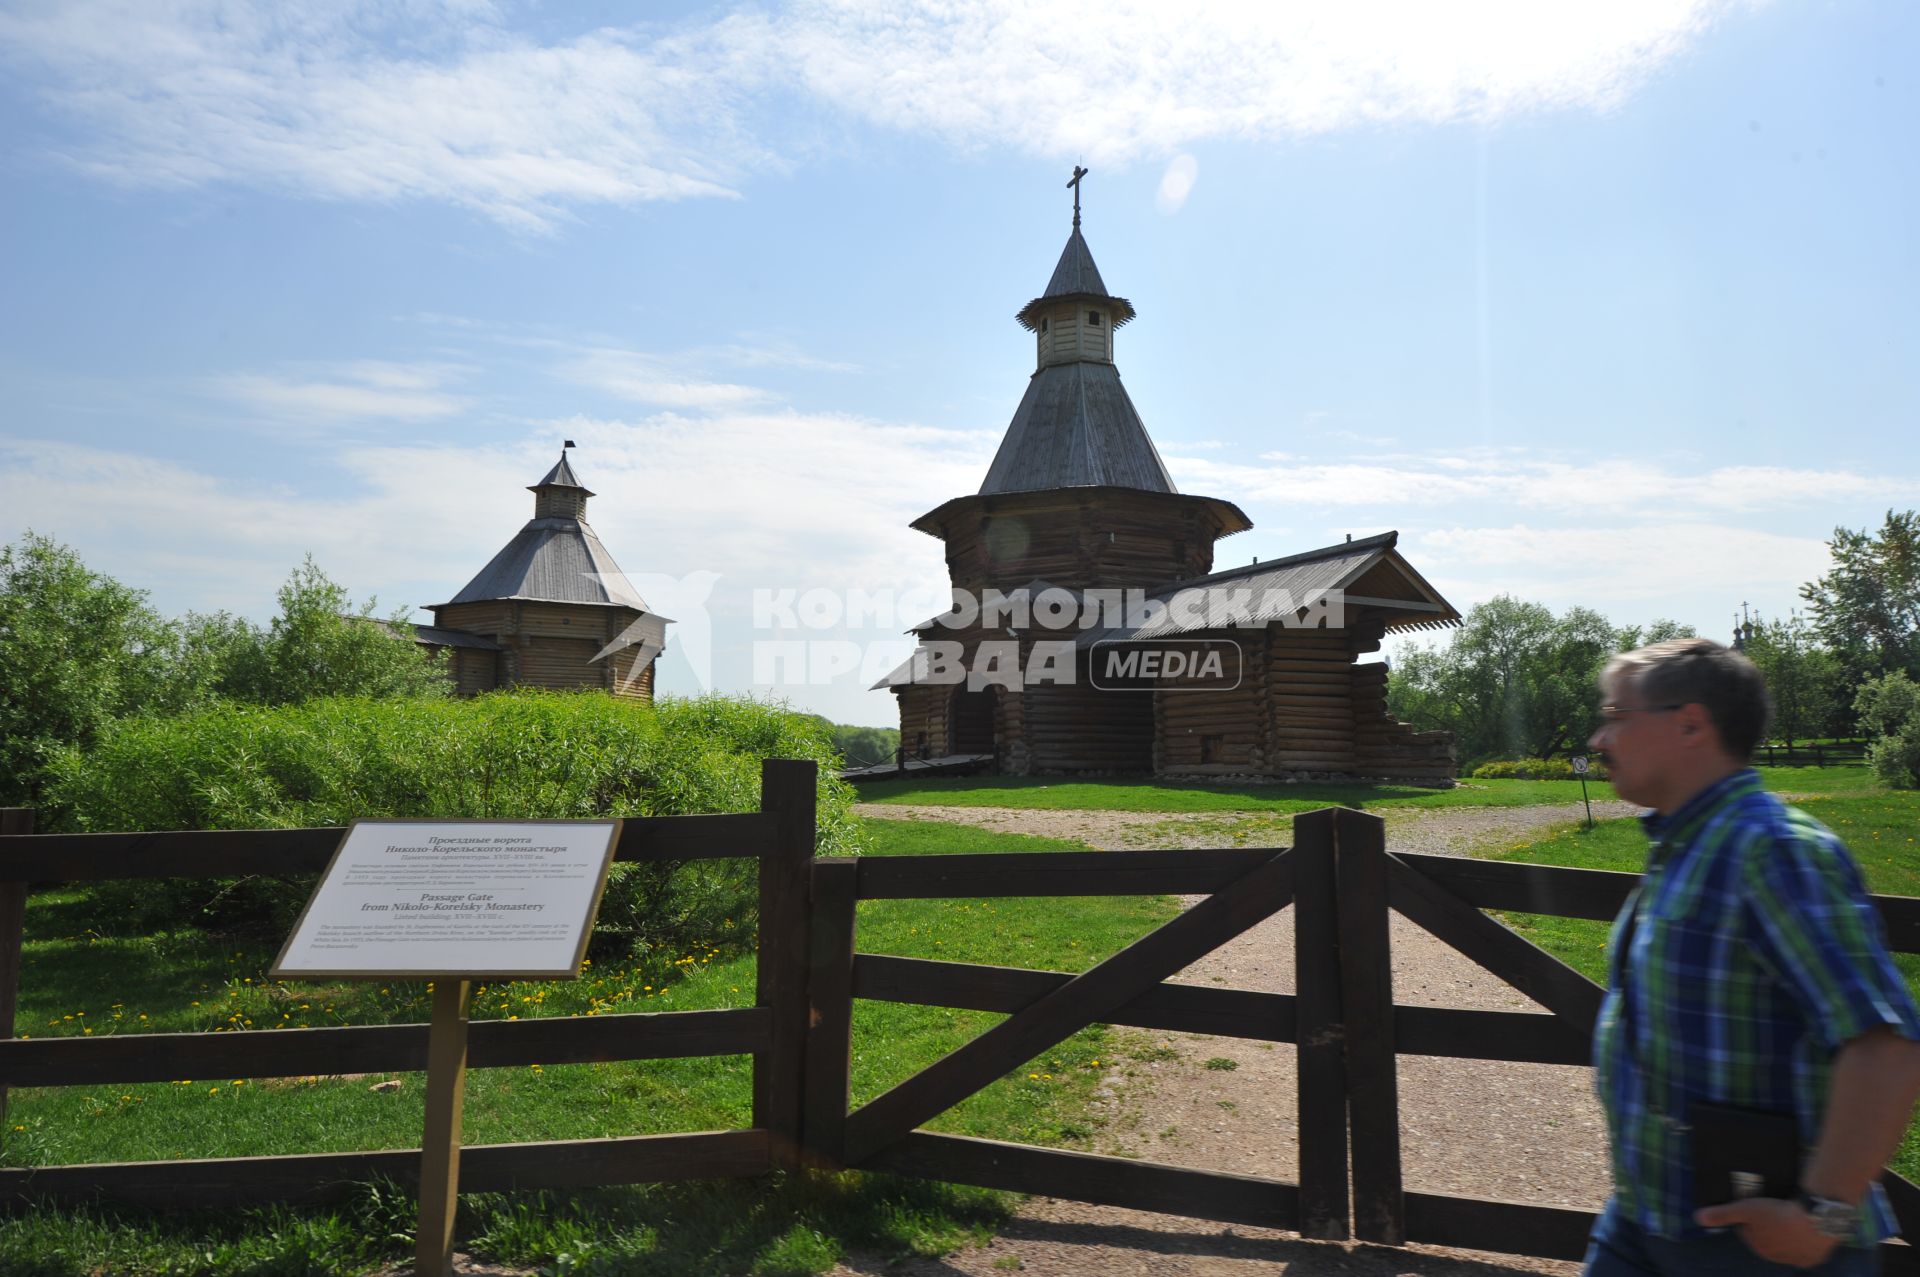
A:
(1621, 1248)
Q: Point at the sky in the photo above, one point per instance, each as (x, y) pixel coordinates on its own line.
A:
(1605, 304)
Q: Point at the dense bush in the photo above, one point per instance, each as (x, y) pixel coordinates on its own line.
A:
(1889, 708)
(517, 754)
(1535, 769)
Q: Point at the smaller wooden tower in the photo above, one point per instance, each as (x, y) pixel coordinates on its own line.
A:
(551, 609)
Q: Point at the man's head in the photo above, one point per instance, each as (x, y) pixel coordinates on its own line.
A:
(1676, 717)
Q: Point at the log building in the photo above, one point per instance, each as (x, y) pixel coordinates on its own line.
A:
(1077, 505)
(551, 609)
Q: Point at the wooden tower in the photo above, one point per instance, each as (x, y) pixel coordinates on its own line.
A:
(1077, 500)
(551, 609)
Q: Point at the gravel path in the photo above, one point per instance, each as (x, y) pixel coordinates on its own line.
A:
(1522, 1132)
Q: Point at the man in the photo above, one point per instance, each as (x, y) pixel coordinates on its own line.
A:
(1748, 971)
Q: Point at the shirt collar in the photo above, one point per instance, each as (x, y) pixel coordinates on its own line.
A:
(1668, 830)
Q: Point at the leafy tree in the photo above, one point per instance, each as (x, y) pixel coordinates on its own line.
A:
(1516, 681)
(1867, 607)
(77, 650)
(1889, 709)
(1804, 678)
(319, 645)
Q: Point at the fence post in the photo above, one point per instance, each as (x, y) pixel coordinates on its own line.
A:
(1366, 986)
(830, 1010)
(1323, 1083)
(787, 788)
(13, 927)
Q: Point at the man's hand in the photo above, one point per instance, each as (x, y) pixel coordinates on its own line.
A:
(1774, 1229)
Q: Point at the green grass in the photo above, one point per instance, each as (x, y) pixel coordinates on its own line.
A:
(1043, 794)
(82, 984)
(1879, 826)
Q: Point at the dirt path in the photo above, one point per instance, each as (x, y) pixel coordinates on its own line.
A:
(1522, 1132)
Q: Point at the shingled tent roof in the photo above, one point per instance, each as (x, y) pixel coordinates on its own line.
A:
(1075, 277)
(561, 476)
(1076, 428)
(554, 560)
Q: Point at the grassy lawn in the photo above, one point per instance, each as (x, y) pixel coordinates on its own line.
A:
(1035, 793)
(89, 984)
(1880, 827)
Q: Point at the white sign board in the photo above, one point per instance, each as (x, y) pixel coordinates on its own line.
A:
(486, 898)
(1579, 764)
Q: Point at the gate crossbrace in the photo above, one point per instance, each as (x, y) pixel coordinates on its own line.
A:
(1536, 973)
(1086, 999)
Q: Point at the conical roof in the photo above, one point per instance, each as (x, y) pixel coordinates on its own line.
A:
(1075, 276)
(555, 558)
(1076, 428)
(561, 476)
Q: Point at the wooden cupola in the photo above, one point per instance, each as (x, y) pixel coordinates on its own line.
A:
(1077, 493)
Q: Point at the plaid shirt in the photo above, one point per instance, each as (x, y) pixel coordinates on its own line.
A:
(1755, 957)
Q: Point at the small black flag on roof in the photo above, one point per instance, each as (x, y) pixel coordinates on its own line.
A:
(568, 444)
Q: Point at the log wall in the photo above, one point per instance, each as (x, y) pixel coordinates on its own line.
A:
(1387, 747)
(1200, 729)
(1080, 728)
(1310, 700)
(1080, 541)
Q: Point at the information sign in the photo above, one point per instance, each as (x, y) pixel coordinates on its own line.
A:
(485, 899)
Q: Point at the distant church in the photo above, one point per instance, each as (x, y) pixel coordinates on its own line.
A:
(551, 609)
(1078, 500)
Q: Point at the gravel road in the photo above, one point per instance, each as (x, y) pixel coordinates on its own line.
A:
(1521, 1132)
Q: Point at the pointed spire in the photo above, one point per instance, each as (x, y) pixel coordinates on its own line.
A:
(561, 476)
(1075, 277)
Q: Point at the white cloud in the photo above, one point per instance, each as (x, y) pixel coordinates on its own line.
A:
(1141, 78)
(1695, 570)
(655, 380)
(1599, 485)
(364, 102)
(367, 389)
(1177, 183)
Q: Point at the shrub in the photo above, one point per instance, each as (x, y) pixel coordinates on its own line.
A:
(1889, 708)
(513, 754)
(1535, 769)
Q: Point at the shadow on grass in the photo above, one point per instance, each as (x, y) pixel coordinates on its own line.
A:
(778, 1226)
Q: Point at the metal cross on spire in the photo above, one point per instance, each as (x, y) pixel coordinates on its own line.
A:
(1078, 173)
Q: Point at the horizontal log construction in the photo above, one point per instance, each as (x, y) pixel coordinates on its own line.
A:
(231, 852)
(392, 1048)
(330, 1177)
(1056, 873)
(1180, 1008)
(1090, 1177)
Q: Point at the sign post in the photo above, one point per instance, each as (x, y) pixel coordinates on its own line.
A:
(452, 901)
(1580, 770)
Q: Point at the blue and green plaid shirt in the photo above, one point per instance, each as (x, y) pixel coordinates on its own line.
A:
(1755, 957)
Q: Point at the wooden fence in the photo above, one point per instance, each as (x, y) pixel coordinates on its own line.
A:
(780, 835)
(1830, 753)
(1342, 1020)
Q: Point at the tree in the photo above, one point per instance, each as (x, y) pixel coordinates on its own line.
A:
(1803, 677)
(1867, 606)
(1889, 709)
(77, 650)
(319, 645)
(1516, 681)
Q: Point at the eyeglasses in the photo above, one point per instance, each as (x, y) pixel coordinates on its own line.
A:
(1620, 713)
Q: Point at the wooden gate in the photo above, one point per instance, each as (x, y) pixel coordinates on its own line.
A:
(1045, 1007)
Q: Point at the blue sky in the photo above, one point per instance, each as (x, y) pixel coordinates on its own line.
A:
(1614, 304)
